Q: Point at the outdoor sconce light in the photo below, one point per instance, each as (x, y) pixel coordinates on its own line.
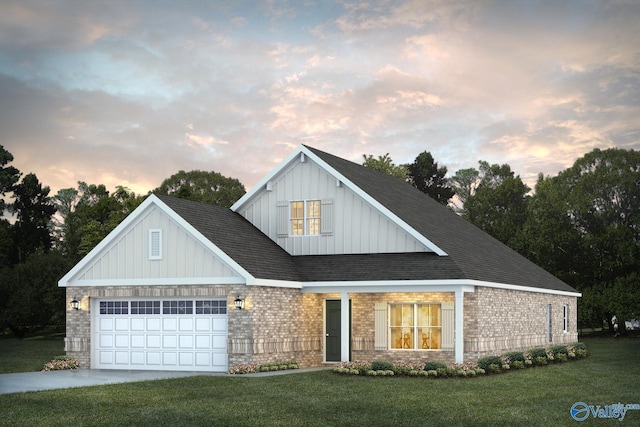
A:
(75, 304)
(238, 302)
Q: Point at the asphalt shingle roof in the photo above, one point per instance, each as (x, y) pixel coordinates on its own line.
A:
(477, 255)
(471, 253)
(236, 237)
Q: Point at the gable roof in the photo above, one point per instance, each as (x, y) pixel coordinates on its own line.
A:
(477, 255)
(238, 238)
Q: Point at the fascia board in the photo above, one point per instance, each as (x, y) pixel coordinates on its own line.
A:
(152, 200)
(166, 281)
(260, 186)
(376, 204)
(420, 286)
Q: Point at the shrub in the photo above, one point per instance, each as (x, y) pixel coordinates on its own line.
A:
(559, 349)
(61, 363)
(561, 357)
(434, 365)
(485, 361)
(493, 368)
(513, 356)
(432, 373)
(539, 356)
(539, 360)
(518, 364)
(381, 365)
(442, 372)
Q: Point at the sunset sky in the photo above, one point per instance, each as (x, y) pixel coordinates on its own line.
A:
(130, 92)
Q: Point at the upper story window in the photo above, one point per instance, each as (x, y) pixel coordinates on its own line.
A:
(305, 217)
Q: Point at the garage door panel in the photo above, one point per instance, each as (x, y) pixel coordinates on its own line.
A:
(106, 357)
(153, 324)
(169, 325)
(137, 324)
(122, 324)
(136, 334)
(137, 341)
(169, 359)
(153, 341)
(137, 358)
(153, 358)
(122, 341)
(186, 341)
(106, 341)
(106, 324)
(203, 341)
(122, 358)
(169, 341)
(203, 324)
(186, 359)
(219, 325)
(186, 325)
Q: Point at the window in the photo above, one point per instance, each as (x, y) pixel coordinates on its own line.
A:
(211, 307)
(114, 307)
(305, 217)
(155, 244)
(415, 326)
(177, 307)
(145, 307)
(565, 318)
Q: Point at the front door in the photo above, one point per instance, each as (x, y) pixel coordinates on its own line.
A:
(334, 330)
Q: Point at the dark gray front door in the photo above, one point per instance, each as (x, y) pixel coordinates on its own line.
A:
(334, 330)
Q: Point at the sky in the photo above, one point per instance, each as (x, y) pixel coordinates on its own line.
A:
(130, 92)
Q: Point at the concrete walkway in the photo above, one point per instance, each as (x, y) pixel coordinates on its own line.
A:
(38, 381)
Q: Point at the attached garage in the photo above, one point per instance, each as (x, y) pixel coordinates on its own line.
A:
(159, 334)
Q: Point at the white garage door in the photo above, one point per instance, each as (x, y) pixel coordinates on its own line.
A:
(174, 335)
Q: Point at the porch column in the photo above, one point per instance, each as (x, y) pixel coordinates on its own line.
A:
(344, 327)
(459, 325)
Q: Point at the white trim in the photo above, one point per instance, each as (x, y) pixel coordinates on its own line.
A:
(69, 279)
(278, 283)
(160, 281)
(420, 286)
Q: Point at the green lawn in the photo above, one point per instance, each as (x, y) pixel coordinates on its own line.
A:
(29, 354)
(530, 397)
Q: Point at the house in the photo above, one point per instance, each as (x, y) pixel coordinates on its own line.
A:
(328, 261)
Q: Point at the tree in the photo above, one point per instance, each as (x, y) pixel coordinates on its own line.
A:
(201, 186)
(34, 209)
(499, 204)
(464, 184)
(30, 298)
(385, 165)
(88, 214)
(428, 177)
(600, 196)
(9, 176)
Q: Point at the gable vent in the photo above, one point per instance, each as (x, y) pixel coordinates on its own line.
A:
(155, 244)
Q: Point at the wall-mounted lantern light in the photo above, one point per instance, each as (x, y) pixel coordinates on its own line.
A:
(238, 302)
(75, 304)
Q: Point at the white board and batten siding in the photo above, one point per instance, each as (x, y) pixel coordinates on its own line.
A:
(133, 255)
(355, 225)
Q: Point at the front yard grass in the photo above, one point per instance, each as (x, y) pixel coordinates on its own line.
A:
(534, 396)
(29, 354)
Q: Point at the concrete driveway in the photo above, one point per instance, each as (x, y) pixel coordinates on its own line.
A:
(51, 380)
(37, 381)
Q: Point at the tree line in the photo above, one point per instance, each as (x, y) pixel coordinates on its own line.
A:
(581, 225)
(51, 233)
